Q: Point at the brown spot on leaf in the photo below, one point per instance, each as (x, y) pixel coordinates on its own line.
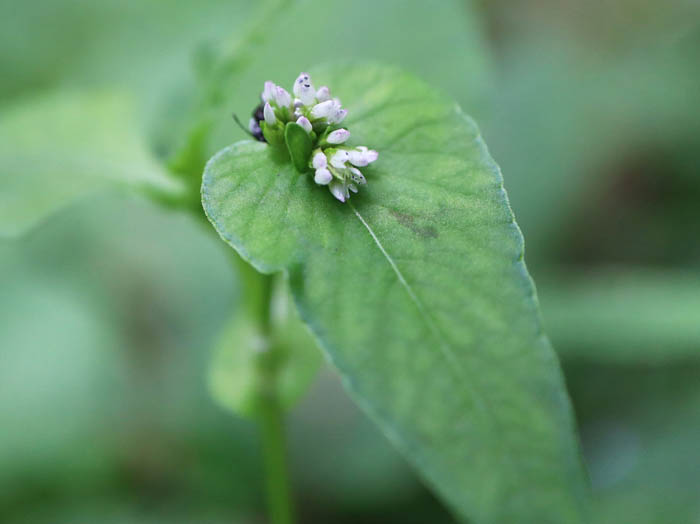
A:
(409, 221)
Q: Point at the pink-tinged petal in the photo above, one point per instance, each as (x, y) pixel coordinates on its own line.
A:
(304, 122)
(268, 91)
(338, 136)
(282, 97)
(323, 94)
(358, 158)
(323, 109)
(320, 160)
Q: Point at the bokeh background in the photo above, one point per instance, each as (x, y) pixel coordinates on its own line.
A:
(109, 309)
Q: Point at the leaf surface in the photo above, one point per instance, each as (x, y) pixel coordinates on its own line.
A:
(418, 293)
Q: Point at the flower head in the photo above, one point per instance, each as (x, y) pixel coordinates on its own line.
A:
(319, 114)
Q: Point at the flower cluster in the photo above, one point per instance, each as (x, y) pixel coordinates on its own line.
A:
(316, 112)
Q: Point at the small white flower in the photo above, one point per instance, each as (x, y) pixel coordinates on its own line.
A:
(323, 94)
(323, 109)
(253, 126)
(323, 176)
(268, 91)
(282, 97)
(352, 187)
(338, 190)
(357, 176)
(362, 156)
(319, 160)
(338, 136)
(269, 114)
(304, 89)
(304, 122)
(300, 82)
(339, 158)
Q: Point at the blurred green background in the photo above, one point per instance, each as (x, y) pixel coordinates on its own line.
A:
(109, 309)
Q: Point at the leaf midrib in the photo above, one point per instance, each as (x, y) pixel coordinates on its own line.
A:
(481, 402)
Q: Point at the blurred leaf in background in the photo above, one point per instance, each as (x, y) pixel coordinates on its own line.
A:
(65, 146)
(596, 124)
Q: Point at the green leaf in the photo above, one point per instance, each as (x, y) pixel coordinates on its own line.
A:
(417, 291)
(240, 351)
(59, 147)
(299, 146)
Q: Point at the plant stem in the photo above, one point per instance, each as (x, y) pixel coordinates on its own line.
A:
(276, 474)
(258, 291)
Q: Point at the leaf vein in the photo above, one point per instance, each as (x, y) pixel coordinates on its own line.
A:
(444, 347)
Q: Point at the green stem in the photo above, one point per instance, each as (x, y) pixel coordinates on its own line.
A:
(276, 474)
(257, 297)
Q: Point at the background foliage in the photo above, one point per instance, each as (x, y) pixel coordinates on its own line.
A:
(592, 111)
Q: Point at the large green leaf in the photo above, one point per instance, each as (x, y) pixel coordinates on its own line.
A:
(417, 291)
(59, 147)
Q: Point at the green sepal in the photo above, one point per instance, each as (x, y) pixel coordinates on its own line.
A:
(274, 134)
(299, 145)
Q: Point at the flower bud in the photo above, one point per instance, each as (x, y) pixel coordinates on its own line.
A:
(338, 190)
(323, 177)
(282, 97)
(338, 116)
(268, 91)
(304, 122)
(304, 89)
(323, 94)
(319, 160)
(269, 114)
(323, 109)
(338, 136)
(362, 156)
